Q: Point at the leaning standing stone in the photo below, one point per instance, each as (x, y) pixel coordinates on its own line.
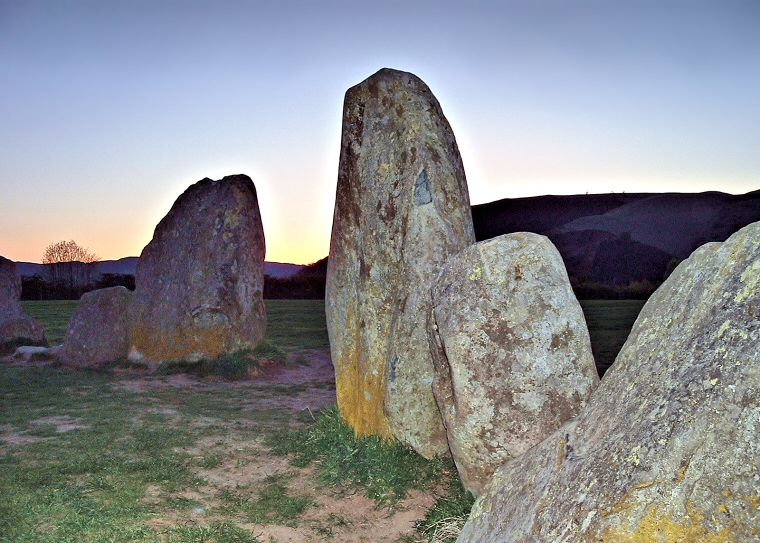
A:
(97, 332)
(511, 349)
(667, 447)
(199, 281)
(401, 210)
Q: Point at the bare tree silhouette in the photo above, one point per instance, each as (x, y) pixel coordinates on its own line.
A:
(69, 265)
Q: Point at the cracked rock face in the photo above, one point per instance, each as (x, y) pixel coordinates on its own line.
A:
(14, 325)
(98, 330)
(199, 281)
(402, 208)
(667, 447)
(511, 350)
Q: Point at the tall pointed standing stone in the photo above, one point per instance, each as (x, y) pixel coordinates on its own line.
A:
(402, 208)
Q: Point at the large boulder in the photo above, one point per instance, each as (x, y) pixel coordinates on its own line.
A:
(97, 332)
(511, 349)
(667, 448)
(10, 289)
(402, 208)
(199, 281)
(15, 327)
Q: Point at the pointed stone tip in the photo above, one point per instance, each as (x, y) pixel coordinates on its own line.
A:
(392, 74)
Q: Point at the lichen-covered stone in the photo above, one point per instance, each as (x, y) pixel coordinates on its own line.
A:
(402, 208)
(667, 448)
(511, 350)
(199, 281)
(97, 332)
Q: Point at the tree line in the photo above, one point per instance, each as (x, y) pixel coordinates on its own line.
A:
(69, 279)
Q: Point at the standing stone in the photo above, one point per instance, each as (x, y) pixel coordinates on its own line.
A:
(10, 289)
(97, 332)
(401, 210)
(667, 448)
(199, 281)
(14, 325)
(511, 349)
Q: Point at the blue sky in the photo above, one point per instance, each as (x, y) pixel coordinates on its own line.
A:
(109, 110)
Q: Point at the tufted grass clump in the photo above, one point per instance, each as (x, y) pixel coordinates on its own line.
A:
(385, 469)
(444, 521)
(229, 366)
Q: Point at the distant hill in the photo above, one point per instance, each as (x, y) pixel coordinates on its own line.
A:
(128, 265)
(619, 238)
(612, 239)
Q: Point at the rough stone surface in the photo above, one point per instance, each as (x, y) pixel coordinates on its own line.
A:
(98, 329)
(10, 289)
(21, 327)
(511, 350)
(402, 208)
(14, 325)
(199, 281)
(667, 448)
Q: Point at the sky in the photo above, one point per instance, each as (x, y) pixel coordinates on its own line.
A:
(110, 110)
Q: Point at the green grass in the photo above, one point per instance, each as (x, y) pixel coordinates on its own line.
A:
(609, 323)
(385, 470)
(297, 324)
(445, 520)
(273, 503)
(54, 315)
(300, 324)
(87, 484)
(291, 324)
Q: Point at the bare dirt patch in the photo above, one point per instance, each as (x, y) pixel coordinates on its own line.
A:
(231, 465)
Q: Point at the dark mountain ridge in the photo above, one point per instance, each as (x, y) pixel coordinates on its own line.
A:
(615, 239)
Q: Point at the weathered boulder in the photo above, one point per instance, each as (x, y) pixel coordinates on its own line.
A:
(21, 328)
(10, 289)
(199, 281)
(402, 208)
(667, 447)
(97, 332)
(511, 350)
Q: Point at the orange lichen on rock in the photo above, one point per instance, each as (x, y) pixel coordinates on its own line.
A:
(658, 526)
(199, 282)
(401, 209)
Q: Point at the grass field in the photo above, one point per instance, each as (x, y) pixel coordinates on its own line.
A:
(609, 322)
(54, 316)
(300, 324)
(123, 457)
(90, 457)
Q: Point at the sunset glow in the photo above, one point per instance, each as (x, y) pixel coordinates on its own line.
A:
(110, 111)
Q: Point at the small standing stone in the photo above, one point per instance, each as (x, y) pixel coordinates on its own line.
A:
(14, 325)
(97, 332)
(10, 289)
